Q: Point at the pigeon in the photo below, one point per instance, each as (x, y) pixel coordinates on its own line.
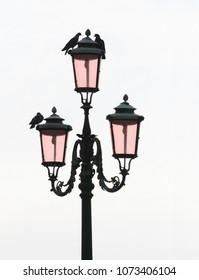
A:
(36, 120)
(72, 43)
(100, 44)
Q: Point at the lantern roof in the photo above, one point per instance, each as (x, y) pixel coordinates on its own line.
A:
(125, 111)
(54, 122)
(87, 46)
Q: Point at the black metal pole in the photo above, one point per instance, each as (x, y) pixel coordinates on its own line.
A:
(86, 185)
(86, 195)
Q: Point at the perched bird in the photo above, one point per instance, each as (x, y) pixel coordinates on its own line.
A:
(101, 44)
(36, 120)
(72, 43)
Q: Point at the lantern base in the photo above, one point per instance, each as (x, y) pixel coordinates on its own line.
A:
(86, 89)
(53, 164)
(124, 156)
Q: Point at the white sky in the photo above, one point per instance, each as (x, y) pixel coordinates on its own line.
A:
(152, 55)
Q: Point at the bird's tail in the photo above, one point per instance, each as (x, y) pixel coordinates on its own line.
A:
(64, 50)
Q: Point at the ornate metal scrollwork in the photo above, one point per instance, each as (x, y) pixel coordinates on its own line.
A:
(97, 160)
(57, 187)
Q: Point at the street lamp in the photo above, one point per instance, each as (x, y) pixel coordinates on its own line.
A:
(124, 124)
(86, 60)
(53, 136)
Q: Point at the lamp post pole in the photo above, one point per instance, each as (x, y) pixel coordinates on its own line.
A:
(125, 127)
(86, 185)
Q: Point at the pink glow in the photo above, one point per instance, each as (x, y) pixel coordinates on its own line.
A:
(53, 142)
(125, 133)
(86, 67)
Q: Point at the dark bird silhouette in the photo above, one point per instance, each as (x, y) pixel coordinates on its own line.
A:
(72, 43)
(100, 44)
(36, 120)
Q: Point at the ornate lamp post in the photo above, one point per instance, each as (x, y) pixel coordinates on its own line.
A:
(124, 123)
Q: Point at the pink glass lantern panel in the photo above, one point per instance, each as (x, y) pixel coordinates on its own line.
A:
(54, 145)
(86, 70)
(124, 137)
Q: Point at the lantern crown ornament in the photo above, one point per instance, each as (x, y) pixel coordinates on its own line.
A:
(125, 111)
(87, 46)
(54, 121)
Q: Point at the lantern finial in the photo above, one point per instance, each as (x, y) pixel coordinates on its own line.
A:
(54, 110)
(88, 33)
(125, 97)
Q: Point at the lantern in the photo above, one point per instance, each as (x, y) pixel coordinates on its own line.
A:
(54, 136)
(125, 126)
(86, 60)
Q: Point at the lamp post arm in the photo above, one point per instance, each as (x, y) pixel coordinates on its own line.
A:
(117, 184)
(57, 186)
